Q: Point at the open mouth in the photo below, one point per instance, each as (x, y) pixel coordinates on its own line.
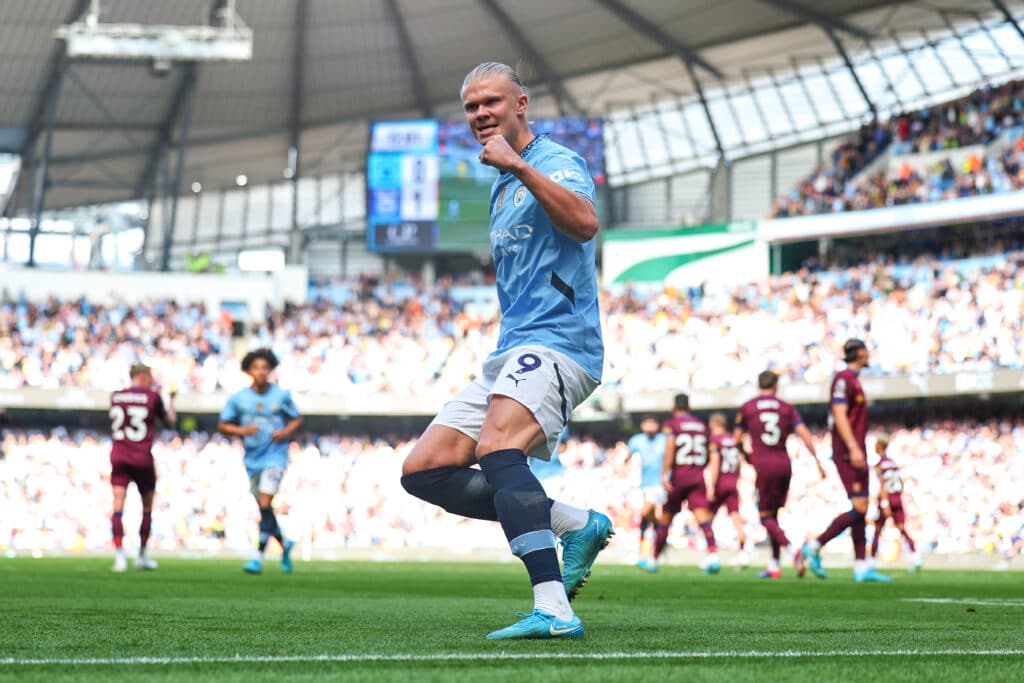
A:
(487, 131)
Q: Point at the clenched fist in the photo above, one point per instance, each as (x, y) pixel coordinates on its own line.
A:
(499, 154)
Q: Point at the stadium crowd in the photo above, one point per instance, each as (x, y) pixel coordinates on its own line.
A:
(978, 119)
(402, 338)
(964, 488)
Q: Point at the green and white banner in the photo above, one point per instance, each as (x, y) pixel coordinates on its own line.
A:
(726, 253)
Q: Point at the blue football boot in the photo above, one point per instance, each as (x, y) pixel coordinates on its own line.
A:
(539, 626)
(580, 549)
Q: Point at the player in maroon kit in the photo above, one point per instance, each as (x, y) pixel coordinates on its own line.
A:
(769, 421)
(133, 414)
(849, 421)
(724, 476)
(686, 454)
(890, 502)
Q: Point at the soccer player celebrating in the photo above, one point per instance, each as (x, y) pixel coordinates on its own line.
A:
(890, 502)
(649, 445)
(723, 478)
(686, 455)
(133, 414)
(265, 416)
(849, 421)
(549, 358)
(769, 421)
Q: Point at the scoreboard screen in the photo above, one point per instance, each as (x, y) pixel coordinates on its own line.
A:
(427, 191)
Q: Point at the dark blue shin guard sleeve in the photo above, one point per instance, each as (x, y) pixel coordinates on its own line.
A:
(459, 490)
(268, 526)
(524, 512)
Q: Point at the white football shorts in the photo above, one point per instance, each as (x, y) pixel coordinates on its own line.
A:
(266, 481)
(549, 384)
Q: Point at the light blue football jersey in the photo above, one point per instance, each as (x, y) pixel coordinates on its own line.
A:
(547, 281)
(270, 411)
(652, 457)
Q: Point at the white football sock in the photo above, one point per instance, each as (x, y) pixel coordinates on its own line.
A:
(813, 544)
(567, 518)
(773, 564)
(860, 566)
(549, 597)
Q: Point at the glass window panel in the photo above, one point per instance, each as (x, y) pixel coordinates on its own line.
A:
(309, 200)
(824, 101)
(847, 90)
(679, 146)
(652, 138)
(931, 70)
(259, 209)
(986, 54)
(902, 77)
(749, 119)
(281, 206)
(330, 199)
(697, 123)
(53, 249)
(17, 247)
(354, 197)
(959, 63)
(186, 214)
(629, 143)
(799, 107)
(209, 215)
(771, 105)
(1011, 43)
(725, 123)
(234, 213)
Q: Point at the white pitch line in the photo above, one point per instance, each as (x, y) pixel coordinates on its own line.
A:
(981, 602)
(507, 656)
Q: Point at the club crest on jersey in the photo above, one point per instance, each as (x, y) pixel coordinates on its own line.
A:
(519, 197)
(259, 406)
(501, 199)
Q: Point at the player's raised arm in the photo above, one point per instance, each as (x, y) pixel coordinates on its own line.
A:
(569, 211)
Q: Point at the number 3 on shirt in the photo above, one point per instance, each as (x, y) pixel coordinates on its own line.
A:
(136, 428)
(771, 434)
(691, 449)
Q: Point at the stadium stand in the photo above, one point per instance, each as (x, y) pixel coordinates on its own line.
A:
(963, 483)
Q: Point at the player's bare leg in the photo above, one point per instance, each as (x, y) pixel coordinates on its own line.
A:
(269, 529)
(779, 541)
(438, 471)
(742, 558)
(509, 432)
(648, 520)
(915, 557)
(711, 564)
(117, 528)
(143, 562)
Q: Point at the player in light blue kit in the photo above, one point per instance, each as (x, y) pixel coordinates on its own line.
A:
(549, 358)
(265, 416)
(649, 445)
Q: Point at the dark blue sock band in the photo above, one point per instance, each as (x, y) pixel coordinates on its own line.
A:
(524, 512)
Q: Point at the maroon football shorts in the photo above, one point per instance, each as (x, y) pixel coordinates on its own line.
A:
(123, 473)
(773, 475)
(899, 517)
(687, 485)
(729, 497)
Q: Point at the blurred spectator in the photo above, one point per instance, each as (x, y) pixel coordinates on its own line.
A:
(964, 486)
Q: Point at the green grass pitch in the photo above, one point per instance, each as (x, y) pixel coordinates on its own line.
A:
(68, 618)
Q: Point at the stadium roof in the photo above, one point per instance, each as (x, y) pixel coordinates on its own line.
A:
(322, 68)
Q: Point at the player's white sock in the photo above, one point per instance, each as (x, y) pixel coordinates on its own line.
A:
(713, 558)
(550, 597)
(567, 518)
(773, 564)
(860, 566)
(813, 544)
